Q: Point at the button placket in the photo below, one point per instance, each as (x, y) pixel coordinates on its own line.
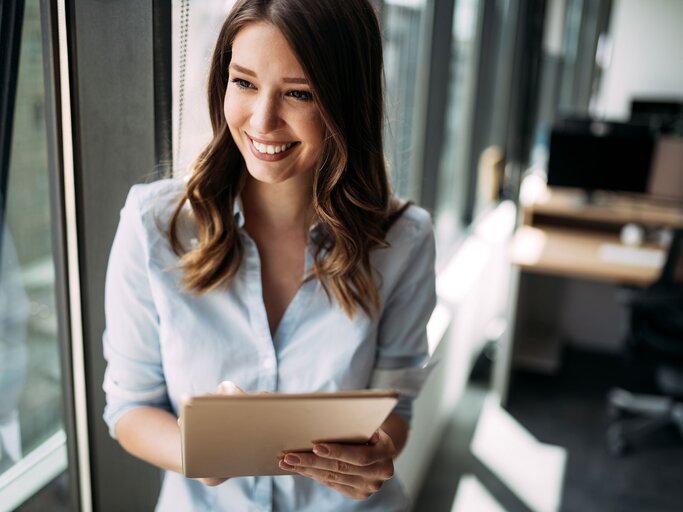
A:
(264, 346)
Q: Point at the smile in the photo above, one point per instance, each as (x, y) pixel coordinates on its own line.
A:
(270, 152)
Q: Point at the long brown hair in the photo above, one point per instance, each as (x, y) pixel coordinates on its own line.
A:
(339, 46)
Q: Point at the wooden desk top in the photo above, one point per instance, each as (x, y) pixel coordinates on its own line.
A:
(617, 209)
(575, 253)
(563, 237)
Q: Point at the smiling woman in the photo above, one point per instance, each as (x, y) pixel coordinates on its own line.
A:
(269, 119)
(282, 264)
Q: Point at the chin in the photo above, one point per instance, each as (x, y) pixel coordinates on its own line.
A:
(268, 176)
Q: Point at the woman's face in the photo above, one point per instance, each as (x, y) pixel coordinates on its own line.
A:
(269, 107)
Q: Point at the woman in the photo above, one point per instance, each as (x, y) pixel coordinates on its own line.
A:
(283, 264)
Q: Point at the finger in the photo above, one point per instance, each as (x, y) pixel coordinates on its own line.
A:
(358, 454)
(382, 470)
(347, 491)
(228, 387)
(310, 460)
(212, 482)
(325, 476)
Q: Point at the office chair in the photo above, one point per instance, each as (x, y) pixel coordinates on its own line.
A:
(655, 347)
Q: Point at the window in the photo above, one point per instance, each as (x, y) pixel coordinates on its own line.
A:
(195, 29)
(32, 436)
(455, 154)
(404, 37)
(569, 70)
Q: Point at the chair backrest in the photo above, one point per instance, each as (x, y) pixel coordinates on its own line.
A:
(673, 267)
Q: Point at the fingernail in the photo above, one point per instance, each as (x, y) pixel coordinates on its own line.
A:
(227, 387)
(320, 449)
(292, 459)
(285, 466)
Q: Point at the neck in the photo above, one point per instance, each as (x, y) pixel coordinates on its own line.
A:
(281, 206)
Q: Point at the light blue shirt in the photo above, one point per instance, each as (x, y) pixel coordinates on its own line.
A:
(161, 343)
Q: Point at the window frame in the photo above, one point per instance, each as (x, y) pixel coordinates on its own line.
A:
(58, 453)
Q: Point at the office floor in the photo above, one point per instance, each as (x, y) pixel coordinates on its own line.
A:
(567, 410)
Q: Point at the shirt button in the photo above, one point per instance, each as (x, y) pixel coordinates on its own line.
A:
(268, 363)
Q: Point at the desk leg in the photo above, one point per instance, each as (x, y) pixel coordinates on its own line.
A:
(503, 362)
(538, 332)
(532, 339)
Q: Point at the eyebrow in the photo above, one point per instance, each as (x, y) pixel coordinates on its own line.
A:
(249, 72)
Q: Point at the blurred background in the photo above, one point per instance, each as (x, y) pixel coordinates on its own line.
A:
(544, 136)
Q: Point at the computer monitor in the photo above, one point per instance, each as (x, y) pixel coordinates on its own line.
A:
(660, 113)
(596, 155)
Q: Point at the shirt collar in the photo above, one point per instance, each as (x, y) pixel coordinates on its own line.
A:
(238, 212)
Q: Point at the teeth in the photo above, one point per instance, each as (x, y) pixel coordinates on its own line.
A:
(271, 150)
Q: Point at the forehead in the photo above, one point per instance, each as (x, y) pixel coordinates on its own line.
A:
(263, 48)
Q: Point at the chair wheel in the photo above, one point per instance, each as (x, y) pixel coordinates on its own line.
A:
(616, 440)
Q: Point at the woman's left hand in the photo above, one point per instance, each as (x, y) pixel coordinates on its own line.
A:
(355, 470)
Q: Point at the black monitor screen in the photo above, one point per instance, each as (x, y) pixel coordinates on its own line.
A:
(600, 156)
(665, 116)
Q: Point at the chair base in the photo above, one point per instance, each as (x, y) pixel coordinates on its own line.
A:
(637, 416)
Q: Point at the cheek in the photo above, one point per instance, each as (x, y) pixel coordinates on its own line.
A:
(313, 127)
(231, 111)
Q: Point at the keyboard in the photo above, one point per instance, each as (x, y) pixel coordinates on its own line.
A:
(636, 256)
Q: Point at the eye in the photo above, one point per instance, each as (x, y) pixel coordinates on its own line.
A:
(242, 84)
(301, 95)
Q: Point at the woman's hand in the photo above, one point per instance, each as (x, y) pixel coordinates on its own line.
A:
(226, 387)
(355, 470)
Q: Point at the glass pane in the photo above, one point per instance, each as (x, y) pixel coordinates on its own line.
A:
(454, 157)
(196, 26)
(567, 73)
(30, 374)
(403, 38)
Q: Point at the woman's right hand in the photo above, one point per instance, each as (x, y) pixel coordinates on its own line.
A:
(227, 387)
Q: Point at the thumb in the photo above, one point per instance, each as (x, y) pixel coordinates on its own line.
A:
(228, 387)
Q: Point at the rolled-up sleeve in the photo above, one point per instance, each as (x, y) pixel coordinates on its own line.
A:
(403, 350)
(134, 374)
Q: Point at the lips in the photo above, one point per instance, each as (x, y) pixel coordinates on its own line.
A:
(271, 151)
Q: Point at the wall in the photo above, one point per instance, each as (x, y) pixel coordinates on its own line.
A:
(646, 44)
(473, 292)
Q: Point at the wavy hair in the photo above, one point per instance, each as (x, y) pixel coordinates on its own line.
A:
(339, 46)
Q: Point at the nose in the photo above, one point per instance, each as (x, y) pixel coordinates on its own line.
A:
(265, 116)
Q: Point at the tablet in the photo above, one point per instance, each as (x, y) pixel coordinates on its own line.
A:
(243, 435)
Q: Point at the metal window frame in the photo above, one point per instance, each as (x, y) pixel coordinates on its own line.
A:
(525, 82)
(58, 452)
(58, 155)
(434, 91)
(582, 73)
(490, 34)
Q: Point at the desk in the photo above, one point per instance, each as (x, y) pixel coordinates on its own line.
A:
(576, 253)
(561, 239)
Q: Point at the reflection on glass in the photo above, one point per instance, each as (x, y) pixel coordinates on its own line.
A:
(402, 34)
(13, 352)
(30, 376)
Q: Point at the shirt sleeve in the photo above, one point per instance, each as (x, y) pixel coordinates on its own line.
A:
(134, 374)
(403, 350)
